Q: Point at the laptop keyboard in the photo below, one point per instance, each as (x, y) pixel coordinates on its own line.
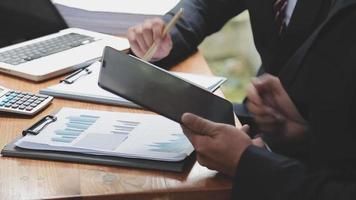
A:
(44, 48)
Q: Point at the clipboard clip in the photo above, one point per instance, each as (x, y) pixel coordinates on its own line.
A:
(40, 125)
(70, 79)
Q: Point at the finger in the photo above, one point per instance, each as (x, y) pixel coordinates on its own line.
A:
(267, 119)
(257, 83)
(253, 95)
(269, 100)
(167, 43)
(131, 36)
(198, 125)
(137, 50)
(139, 38)
(164, 48)
(245, 128)
(279, 118)
(192, 137)
(270, 124)
(264, 90)
(267, 113)
(283, 103)
(259, 110)
(272, 83)
(147, 33)
(189, 134)
(157, 29)
(201, 144)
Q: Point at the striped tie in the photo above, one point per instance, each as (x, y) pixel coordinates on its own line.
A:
(280, 7)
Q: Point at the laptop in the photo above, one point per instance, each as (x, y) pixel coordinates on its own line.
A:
(36, 43)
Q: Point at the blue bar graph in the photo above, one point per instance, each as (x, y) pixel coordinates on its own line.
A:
(175, 145)
(61, 139)
(80, 122)
(124, 127)
(67, 132)
(83, 118)
(69, 137)
(75, 126)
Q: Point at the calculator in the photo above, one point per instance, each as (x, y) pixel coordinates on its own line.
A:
(22, 102)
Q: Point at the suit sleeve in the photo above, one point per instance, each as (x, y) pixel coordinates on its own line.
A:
(200, 19)
(265, 175)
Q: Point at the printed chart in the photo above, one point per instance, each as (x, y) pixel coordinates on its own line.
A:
(75, 126)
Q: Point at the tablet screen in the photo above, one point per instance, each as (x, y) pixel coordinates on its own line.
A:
(157, 90)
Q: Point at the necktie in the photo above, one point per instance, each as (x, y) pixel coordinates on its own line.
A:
(280, 7)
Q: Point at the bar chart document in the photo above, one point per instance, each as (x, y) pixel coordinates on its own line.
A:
(129, 135)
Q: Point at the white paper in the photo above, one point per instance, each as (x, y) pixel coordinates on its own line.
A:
(145, 7)
(129, 135)
(110, 16)
(86, 87)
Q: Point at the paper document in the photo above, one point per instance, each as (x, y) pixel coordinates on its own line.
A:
(145, 7)
(129, 135)
(85, 87)
(111, 16)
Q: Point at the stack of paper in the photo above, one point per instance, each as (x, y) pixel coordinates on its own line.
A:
(85, 87)
(128, 135)
(111, 16)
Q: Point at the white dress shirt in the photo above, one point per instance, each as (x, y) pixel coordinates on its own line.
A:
(290, 10)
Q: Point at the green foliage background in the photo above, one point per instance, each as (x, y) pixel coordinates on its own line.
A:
(231, 53)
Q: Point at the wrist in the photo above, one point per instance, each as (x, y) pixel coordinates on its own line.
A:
(232, 168)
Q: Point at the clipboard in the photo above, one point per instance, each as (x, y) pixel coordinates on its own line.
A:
(82, 85)
(11, 150)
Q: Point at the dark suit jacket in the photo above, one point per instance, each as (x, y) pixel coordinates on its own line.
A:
(204, 17)
(320, 78)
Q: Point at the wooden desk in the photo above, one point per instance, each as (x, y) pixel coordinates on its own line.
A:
(34, 179)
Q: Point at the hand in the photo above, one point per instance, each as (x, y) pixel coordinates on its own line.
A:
(218, 146)
(273, 110)
(142, 36)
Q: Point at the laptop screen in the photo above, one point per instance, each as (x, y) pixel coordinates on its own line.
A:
(23, 20)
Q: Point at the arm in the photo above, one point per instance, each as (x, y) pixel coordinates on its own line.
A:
(272, 176)
(268, 176)
(200, 19)
(264, 175)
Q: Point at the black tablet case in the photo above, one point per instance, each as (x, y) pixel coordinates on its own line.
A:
(11, 150)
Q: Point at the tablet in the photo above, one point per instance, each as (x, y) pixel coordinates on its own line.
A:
(158, 90)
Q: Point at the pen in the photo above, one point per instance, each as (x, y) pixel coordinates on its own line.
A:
(152, 50)
(76, 75)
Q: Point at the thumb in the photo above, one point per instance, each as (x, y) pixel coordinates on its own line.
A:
(197, 124)
(166, 44)
(271, 83)
(258, 84)
(245, 128)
